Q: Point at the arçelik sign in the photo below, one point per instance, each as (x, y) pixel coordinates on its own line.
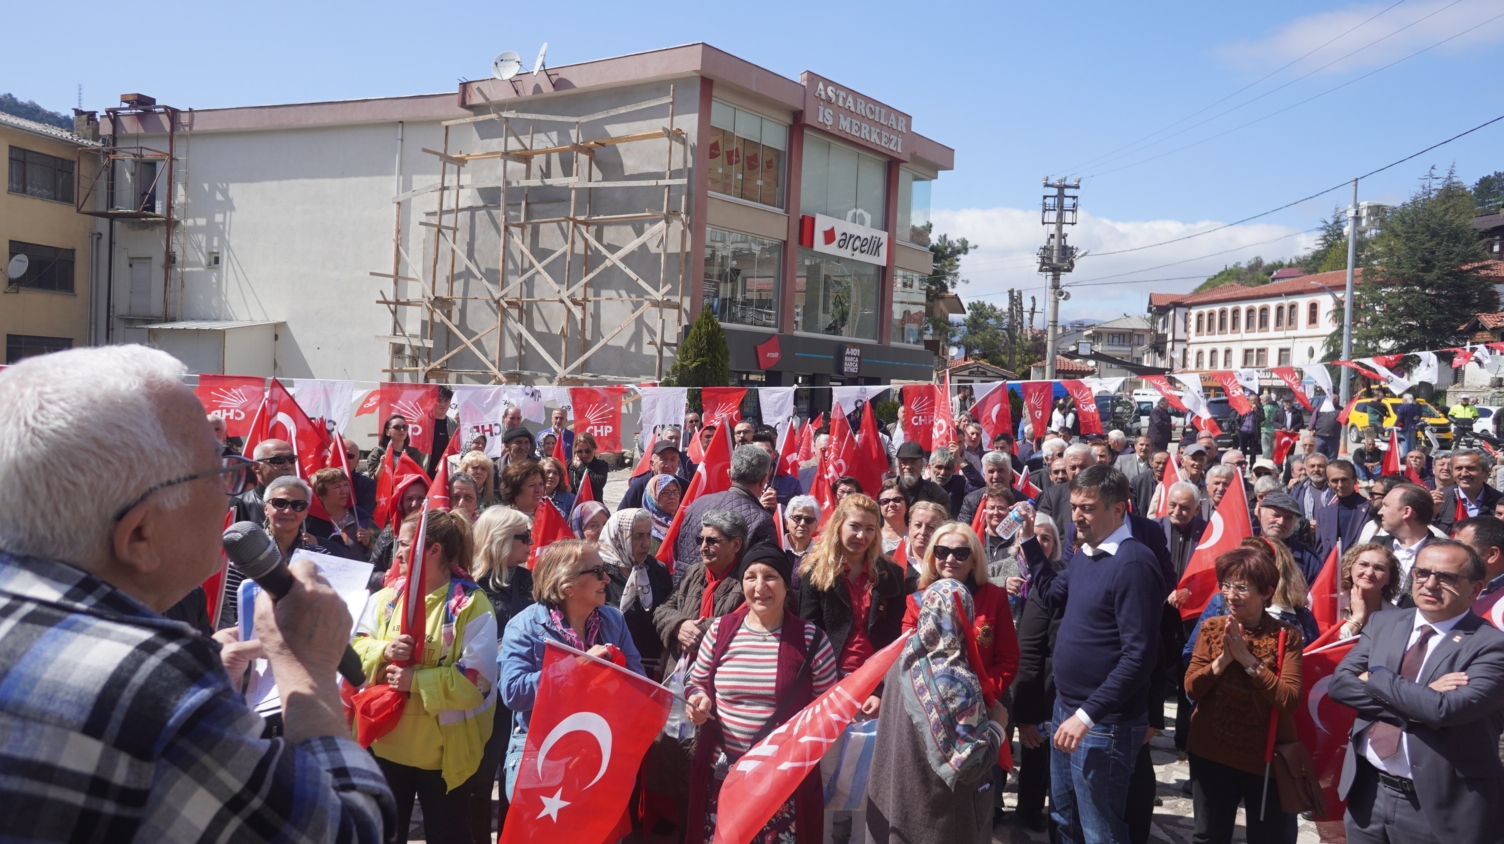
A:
(833, 236)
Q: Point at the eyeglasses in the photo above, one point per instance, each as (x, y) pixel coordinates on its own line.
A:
(234, 473)
(712, 541)
(1445, 578)
(802, 520)
(960, 555)
(353, 457)
(600, 573)
(526, 537)
(1239, 589)
(886, 501)
(397, 428)
(278, 460)
(294, 504)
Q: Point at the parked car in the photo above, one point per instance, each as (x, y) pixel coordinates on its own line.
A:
(1222, 413)
(1118, 413)
(1434, 423)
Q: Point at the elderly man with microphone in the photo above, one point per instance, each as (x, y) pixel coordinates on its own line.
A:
(117, 724)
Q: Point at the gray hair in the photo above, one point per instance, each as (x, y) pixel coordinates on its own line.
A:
(464, 477)
(1042, 520)
(941, 458)
(1219, 471)
(1266, 485)
(995, 458)
(729, 523)
(664, 431)
(42, 401)
(1053, 447)
(1182, 486)
(1078, 450)
(288, 482)
(803, 503)
(1485, 459)
(1116, 436)
(750, 464)
(1442, 454)
(1228, 455)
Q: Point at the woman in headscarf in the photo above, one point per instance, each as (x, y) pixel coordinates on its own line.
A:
(661, 499)
(937, 738)
(407, 499)
(639, 584)
(587, 520)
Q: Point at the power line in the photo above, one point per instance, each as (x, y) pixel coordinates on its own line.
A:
(1092, 161)
(1086, 282)
(1294, 105)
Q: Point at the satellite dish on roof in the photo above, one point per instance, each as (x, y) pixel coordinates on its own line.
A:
(17, 267)
(507, 65)
(538, 65)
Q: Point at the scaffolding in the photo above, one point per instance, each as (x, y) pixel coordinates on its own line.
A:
(574, 267)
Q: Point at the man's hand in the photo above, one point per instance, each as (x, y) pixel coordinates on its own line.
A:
(689, 636)
(399, 649)
(304, 634)
(1449, 682)
(400, 677)
(1437, 496)
(999, 713)
(769, 499)
(1029, 736)
(1178, 597)
(236, 655)
(1069, 734)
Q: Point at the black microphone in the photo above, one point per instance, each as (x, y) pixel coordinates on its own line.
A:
(254, 554)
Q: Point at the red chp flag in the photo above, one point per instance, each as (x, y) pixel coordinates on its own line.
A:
(1236, 398)
(1228, 528)
(1391, 465)
(1322, 723)
(1086, 407)
(1291, 378)
(993, 413)
(944, 424)
(416, 403)
(585, 493)
(871, 459)
(759, 783)
(592, 724)
(841, 451)
(1038, 396)
(597, 412)
(722, 401)
(1162, 384)
(549, 526)
(919, 415)
(712, 475)
(1326, 590)
(233, 398)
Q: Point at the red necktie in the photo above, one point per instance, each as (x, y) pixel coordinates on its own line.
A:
(1385, 738)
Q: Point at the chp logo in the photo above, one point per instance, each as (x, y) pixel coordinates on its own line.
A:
(922, 409)
(233, 404)
(415, 415)
(597, 420)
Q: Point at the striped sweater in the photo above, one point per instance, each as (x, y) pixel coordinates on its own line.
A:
(745, 680)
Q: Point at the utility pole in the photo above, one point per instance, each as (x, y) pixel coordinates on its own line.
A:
(1347, 302)
(1056, 257)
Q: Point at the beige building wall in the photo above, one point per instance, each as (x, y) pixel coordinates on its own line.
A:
(46, 222)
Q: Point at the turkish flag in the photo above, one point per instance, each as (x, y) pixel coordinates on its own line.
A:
(1228, 528)
(919, 414)
(592, 724)
(722, 401)
(713, 475)
(1283, 442)
(386, 484)
(281, 418)
(788, 455)
(1160, 383)
(586, 493)
(597, 412)
(1353, 365)
(1236, 398)
(944, 424)
(1347, 411)
(841, 452)
(549, 526)
(1207, 424)
(378, 707)
(979, 519)
(1460, 357)
(1491, 608)
(1038, 395)
(1291, 378)
(1391, 465)
(1322, 723)
(763, 779)
(564, 461)
(1086, 407)
(1027, 487)
(1170, 477)
(214, 587)
(1326, 590)
(233, 398)
(992, 411)
(416, 403)
(871, 459)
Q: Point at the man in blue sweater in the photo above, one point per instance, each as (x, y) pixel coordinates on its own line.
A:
(1112, 594)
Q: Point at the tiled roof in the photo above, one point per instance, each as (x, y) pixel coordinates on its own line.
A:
(43, 129)
(1287, 272)
(1488, 269)
(960, 362)
(1075, 366)
(1305, 284)
(1489, 321)
(1488, 221)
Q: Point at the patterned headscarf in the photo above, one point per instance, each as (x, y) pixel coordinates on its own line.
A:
(616, 550)
(661, 518)
(943, 696)
(582, 515)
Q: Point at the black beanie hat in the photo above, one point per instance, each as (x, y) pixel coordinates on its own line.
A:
(771, 556)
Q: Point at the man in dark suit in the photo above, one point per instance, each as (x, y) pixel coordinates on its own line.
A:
(1428, 686)
(1055, 502)
(1471, 496)
(1289, 417)
(365, 485)
(1344, 516)
(1144, 485)
(1161, 425)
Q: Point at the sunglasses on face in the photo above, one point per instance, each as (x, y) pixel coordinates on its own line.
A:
(960, 555)
(279, 460)
(1445, 578)
(712, 541)
(293, 504)
(526, 537)
(599, 572)
(886, 501)
(802, 520)
(397, 428)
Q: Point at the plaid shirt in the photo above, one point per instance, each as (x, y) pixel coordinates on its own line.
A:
(119, 725)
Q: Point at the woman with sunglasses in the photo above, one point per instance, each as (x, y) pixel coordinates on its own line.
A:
(503, 538)
(894, 506)
(286, 506)
(569, 585)
(393, 437)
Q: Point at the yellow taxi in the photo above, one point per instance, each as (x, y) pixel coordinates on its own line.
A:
(1433, 421)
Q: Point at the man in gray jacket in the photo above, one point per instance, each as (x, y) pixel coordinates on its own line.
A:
(750, 466)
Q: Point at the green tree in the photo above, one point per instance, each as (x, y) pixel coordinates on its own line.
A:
(943, 278)
(1422, 285)
(29, 110)
(983, 334)
(1257, 272)
(1488, 192)
(703, 360)
(1331, 246)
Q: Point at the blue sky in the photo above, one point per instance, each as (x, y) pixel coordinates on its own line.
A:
(1019, 90)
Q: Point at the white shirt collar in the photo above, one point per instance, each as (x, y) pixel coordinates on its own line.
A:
(1111, 543)
(1442, 628)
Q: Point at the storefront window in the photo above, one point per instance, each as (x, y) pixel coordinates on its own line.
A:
(747, 155)
(836, 296)
(840, 182)
(913, 208)
(908, 307)
(741, 277)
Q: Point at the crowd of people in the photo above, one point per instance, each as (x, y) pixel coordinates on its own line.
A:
(1034, 586)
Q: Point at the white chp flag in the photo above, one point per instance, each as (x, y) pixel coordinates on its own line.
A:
(661, 406)
(776, 405)
(1192, 397)
(1248, 379)
(1100, 386)
(1317, 372)
(1395, 383)
(1428, 370)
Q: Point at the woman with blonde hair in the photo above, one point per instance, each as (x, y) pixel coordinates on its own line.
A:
(850, 590)
(480, 467)
(439, 742)
(1371, 580)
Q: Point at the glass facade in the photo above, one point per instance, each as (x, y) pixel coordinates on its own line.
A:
(741, 277)
(836, 296)
(840, 182)
(748, 155)
(913, 208)
(908, 307)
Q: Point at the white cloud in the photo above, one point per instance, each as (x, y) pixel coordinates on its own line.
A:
(1410, 27)
(1008, 239)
